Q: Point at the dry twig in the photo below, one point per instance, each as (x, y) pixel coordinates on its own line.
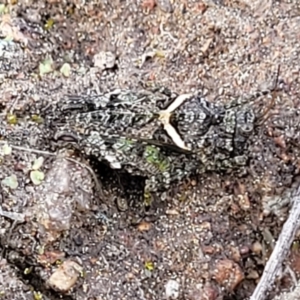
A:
(280, 251)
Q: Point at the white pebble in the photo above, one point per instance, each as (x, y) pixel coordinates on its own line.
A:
(172, 289)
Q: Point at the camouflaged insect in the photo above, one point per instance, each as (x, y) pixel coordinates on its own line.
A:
(155, 135)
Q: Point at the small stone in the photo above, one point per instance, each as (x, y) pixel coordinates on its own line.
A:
(172, 212)
(200, 292)
(253, 275)
(65, 277)
(164, 6)
(208, 249)
(244, 250)
(235, 254)
(257, 247)
(244, 202)
(172, 289)
(228, 274)
(144, 226)
(104, 60)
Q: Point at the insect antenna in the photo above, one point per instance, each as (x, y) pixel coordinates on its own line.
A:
(264, 115)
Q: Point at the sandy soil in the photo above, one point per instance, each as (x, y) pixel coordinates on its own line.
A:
(211, 238)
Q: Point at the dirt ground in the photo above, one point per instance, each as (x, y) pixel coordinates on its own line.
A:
(211, 237)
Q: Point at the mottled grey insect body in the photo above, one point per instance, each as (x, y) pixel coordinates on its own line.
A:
(160, 137)
(131, 131)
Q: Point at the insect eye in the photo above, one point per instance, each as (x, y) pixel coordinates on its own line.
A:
(247, 128)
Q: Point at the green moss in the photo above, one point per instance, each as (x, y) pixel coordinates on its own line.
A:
(124, 145)
(11, 119)
(154, 157)
(147, 198)
(49, 24)
(37, 119)
(149, 265)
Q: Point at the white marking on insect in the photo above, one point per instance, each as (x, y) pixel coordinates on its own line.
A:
(177, 102)
(164, 117)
